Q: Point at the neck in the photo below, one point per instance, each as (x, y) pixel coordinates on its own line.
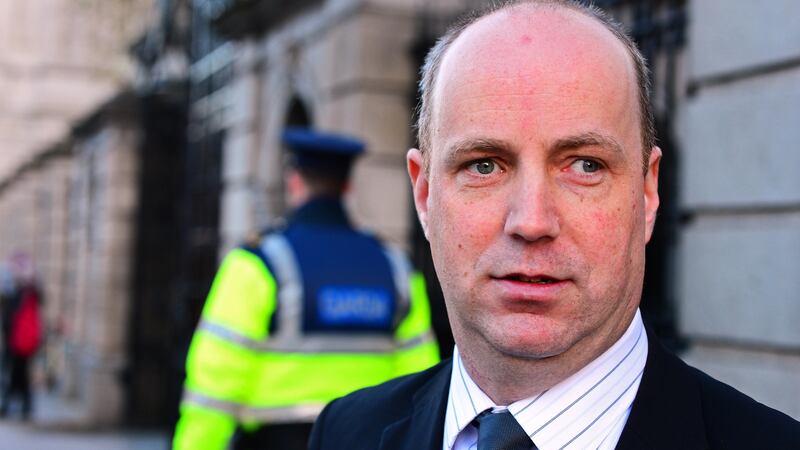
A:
(508, 378)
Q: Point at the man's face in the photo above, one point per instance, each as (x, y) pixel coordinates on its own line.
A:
(534, 202)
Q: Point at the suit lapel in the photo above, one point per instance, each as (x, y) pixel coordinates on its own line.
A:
(666, 414)
(423, 429)
(667, 411)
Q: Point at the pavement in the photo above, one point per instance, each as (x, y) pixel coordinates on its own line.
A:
(55, 426)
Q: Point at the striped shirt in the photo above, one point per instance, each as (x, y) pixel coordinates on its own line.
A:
(588, 410)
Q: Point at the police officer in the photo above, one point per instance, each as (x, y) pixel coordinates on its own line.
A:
(305, 314)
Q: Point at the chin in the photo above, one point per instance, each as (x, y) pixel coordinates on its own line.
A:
(528, 344)
(533, 351)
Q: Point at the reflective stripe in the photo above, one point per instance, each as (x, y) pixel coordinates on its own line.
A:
(287, 414)
(345, 343)
(195, 398)
(362, 343)
(416, 341)
(290, 285)
(229, 335)
(244, 413)
(401, 272)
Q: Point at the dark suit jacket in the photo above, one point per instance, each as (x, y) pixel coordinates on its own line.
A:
(676, 407)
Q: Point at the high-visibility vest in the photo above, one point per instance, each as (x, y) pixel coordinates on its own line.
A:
(285, 330)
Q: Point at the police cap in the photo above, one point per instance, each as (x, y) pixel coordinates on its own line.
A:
(332, 154)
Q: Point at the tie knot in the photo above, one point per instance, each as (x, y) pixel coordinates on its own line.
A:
(501, 431)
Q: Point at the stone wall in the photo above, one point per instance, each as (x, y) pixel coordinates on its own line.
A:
(103, 199)
(73, 211)
(349, 63)
(59, 60)
(738, 271)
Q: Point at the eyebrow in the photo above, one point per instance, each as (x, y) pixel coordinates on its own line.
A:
(589, 138)
(497, 146)
(456, 151)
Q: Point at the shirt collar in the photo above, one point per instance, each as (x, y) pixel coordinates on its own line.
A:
(583, 406)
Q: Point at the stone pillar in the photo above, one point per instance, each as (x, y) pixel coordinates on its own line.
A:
(740, 251)
(53, 260)
(367, 93)
(349, 63)
(96, 306)
(240, 195)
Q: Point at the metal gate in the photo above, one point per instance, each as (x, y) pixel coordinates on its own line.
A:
(199, 205)
(162, 117)
(178, 243)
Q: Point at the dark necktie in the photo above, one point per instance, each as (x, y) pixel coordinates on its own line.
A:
(501, 431)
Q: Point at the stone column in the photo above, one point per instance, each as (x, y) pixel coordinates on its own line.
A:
(97, 299)
(241, 196)
(349, 63)
(54, 260)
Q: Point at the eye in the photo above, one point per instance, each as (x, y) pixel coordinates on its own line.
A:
(586, 166)
(483, 166)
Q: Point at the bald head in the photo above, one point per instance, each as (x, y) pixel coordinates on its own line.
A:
(548, 35)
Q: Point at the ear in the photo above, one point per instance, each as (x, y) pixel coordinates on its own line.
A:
(651, 200)
(296, 189)
(419, 184)
(293, 180)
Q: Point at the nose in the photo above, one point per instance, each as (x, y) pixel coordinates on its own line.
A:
(532, 214)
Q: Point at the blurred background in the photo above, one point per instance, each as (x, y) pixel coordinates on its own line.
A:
(139, 141)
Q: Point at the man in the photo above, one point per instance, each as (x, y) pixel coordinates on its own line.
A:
(308, 313)
(536, 186)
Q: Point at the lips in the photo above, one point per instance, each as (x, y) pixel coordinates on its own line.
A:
(535, 279)
(527, 287)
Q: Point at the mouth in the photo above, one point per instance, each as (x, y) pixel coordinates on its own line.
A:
(530, 288)
(535, 279)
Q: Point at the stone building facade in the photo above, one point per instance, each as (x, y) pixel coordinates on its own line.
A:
(94, 308)
(59, 59)
(67, 188)
(127, 265)
(348, 65)
(738, 270)
(726, 100)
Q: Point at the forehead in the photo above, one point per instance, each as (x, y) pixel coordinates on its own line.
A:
(549, 60)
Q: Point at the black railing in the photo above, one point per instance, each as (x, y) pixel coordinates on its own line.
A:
(238, 18)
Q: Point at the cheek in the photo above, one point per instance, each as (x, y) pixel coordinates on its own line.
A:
(462, 226)
(603, 222)
(605, 234)
(462, 213)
